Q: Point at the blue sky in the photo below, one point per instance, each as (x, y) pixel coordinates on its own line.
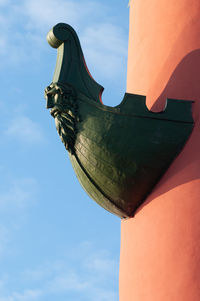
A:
(55, 242)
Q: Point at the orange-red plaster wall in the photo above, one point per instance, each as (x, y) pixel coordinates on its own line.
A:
(160, 246)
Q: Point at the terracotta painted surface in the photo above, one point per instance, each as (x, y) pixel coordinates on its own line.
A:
(160, 246)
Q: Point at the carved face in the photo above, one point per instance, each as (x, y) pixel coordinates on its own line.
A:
(54, 97)
(62, 101)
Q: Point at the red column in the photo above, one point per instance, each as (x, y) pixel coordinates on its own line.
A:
(160, 246)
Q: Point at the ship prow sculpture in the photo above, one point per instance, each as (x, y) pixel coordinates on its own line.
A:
(118, 153)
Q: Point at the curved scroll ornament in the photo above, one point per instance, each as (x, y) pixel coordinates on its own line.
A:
(118, 153)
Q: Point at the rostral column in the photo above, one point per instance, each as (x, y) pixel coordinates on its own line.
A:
(160, 246)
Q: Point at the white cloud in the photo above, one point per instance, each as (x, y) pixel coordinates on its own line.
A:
(3, 44)
(48, 12)
(4, 2)
(4, 239)
(16, 196)
(68, 282)
(43, 13)
(25, 130)
(1, 285)
(27, 295)
(20, 193)
(87, 275)
(100, 263)
(104, 42)
(105, 35)
(105, 48)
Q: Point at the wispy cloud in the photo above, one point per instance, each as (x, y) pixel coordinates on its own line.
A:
(47, 12)
(16, 197)
(100, 263)
(105, 48)
(16, 125)
(104, 41)
(68, 282)
(72, 278)
(18, 194)
(27, 295)
(4, 239)
(25, 130)
(4, 2)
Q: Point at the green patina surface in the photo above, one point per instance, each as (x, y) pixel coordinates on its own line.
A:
(118, 153)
